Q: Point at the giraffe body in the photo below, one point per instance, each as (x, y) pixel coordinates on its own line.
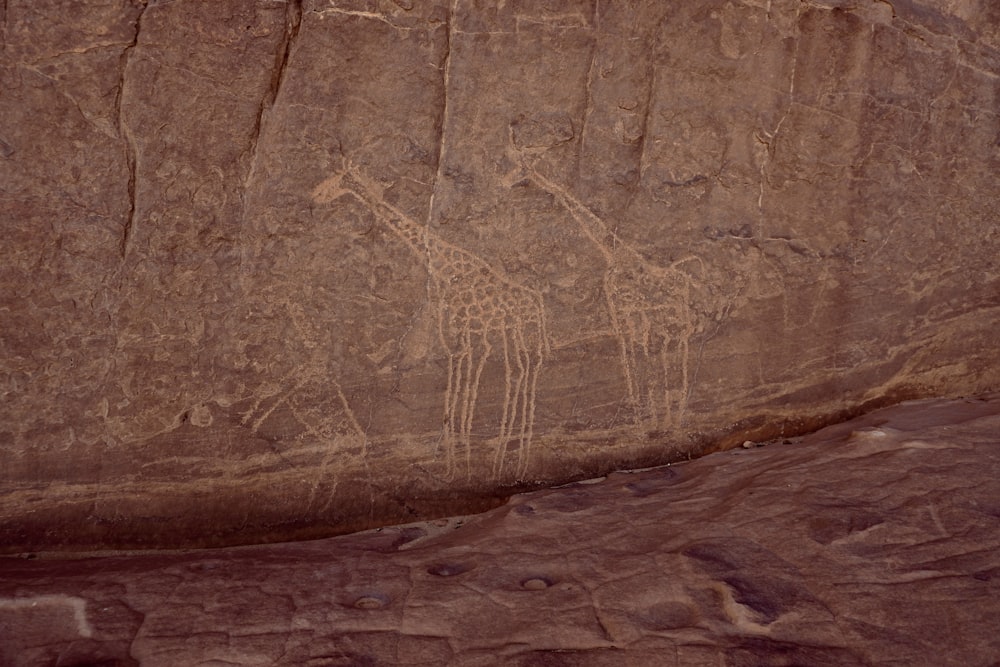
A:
(652, 317)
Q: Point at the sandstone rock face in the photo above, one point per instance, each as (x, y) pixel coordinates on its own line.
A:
(869, 543)
(277, 269)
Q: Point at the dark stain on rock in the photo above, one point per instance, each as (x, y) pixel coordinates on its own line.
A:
(769, 597)
(826, 529)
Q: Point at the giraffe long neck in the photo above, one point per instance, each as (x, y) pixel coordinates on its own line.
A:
(406, 228)
(606, 241)
(445, 262)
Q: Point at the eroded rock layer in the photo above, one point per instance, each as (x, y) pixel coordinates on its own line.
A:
(869, 543)
(277, 269)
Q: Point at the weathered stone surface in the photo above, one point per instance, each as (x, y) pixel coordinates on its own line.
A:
(869, 543)
(277, 269)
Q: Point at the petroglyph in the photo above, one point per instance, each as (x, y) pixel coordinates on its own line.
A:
(303, 400)
(299, 398)
(655, 312)
(481, 315)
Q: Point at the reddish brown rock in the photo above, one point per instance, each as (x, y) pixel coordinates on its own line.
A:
(274, 270)
(869, 543)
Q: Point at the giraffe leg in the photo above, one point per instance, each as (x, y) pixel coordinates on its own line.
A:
(444, 331)
(459, 405)
(515, 392)
(448, 421)
(506, 427)
(623, 349)
(685, 387)
(469, 409)
(458, 363)
(521, 398)
(628, 354)
(649, 369)
(530, 392)
(665, 386)
(628, 368)
(636, 364)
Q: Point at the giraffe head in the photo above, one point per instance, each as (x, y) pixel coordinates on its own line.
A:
(330, 189)
(516, 170)
(347, 181)
(520, 155)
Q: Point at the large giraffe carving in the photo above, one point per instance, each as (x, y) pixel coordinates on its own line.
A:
(655, 311)
(480, 315)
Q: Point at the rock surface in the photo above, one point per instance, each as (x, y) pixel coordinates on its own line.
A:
(873, 542)
(285, 269)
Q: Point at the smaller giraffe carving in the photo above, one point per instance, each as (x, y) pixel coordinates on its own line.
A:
(481, 315)
(655, 311)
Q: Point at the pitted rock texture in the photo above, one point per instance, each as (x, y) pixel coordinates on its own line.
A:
(874, 542)
(286, 269)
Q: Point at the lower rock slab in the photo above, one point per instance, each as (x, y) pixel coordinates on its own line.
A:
(873, 542)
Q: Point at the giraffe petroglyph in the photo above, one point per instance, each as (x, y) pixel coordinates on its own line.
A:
(479, 313)
(655, 311)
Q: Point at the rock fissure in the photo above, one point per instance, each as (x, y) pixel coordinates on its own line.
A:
(445, 67)
(644, 125)
(770, 138)
(588, 81)
(290, 31)
(125, 134)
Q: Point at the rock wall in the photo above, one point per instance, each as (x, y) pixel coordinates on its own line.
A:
(286, 269)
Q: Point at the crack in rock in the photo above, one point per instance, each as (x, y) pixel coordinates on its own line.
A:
(293, 20)
(128, 230)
